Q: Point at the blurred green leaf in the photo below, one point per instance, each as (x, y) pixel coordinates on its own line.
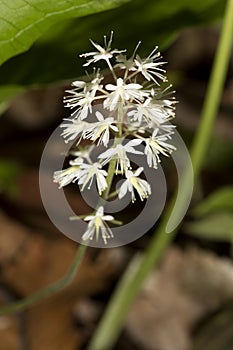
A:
(217, 226)
(7, 92)
(220, 155)
(9, 171)
(23, 21)
(220, 200)
(156, 22)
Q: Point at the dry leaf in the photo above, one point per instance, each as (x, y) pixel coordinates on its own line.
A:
(186, 287)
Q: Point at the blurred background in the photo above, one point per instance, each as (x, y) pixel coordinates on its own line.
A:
(187, 301)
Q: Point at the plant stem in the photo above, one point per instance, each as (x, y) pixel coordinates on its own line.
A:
(112, 164)
(49, 290)
(128, 288)
(109, 178)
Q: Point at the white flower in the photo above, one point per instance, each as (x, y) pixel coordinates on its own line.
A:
(81, 101)
(134, 182)
(124, 63)
(121, 93)
(133, 127)
(87, 173)
(93, 86)
(119, 153)
(149, 67)
(164, 98)
(155, 145)
(81, 154)
(153, 112)
(101, 129)
(102, 53)
(72, 128)
(79, 84)
(97, 224)
(66, 176)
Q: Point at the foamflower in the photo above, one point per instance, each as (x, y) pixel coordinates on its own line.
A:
(101, 130)
(88, 172)
(134, 182)
(156, 145)
(149, 67)
(119, 152)
(121, 93)
(66, 176)
(102, 53)
(97, 225)
(73, 128)
(121, 118)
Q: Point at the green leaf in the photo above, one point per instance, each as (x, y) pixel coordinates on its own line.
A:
(220, 154)
(156, 22)
(217, 226)
(222, 199)
(23, 21)
(7, 93)
(9, 171)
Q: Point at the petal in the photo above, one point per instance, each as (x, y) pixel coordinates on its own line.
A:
(108, 217)
(105, 137)
(134, 142)
(100, 211)
(97, 46)
(109, 153)
(133, 86)
(79, 83)
(128, 173)
(85, 166)
(104, 172)
(134, 151)
(99, 116)
(138, 171)
(110, 87)
(123, 189)
(88, 234)
(114, 128)
(101, 183)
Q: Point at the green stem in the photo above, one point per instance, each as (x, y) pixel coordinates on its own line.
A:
(109, 178)
(49, 290)
(128, 288)
(112, 164)
(113, 194)
(120, 118)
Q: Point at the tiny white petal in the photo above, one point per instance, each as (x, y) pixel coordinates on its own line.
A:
(138, 171)
(108, 217)
(134, 142)
(123, 190)
(99, 116)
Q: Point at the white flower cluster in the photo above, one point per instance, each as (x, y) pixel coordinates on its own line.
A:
(133, 106)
